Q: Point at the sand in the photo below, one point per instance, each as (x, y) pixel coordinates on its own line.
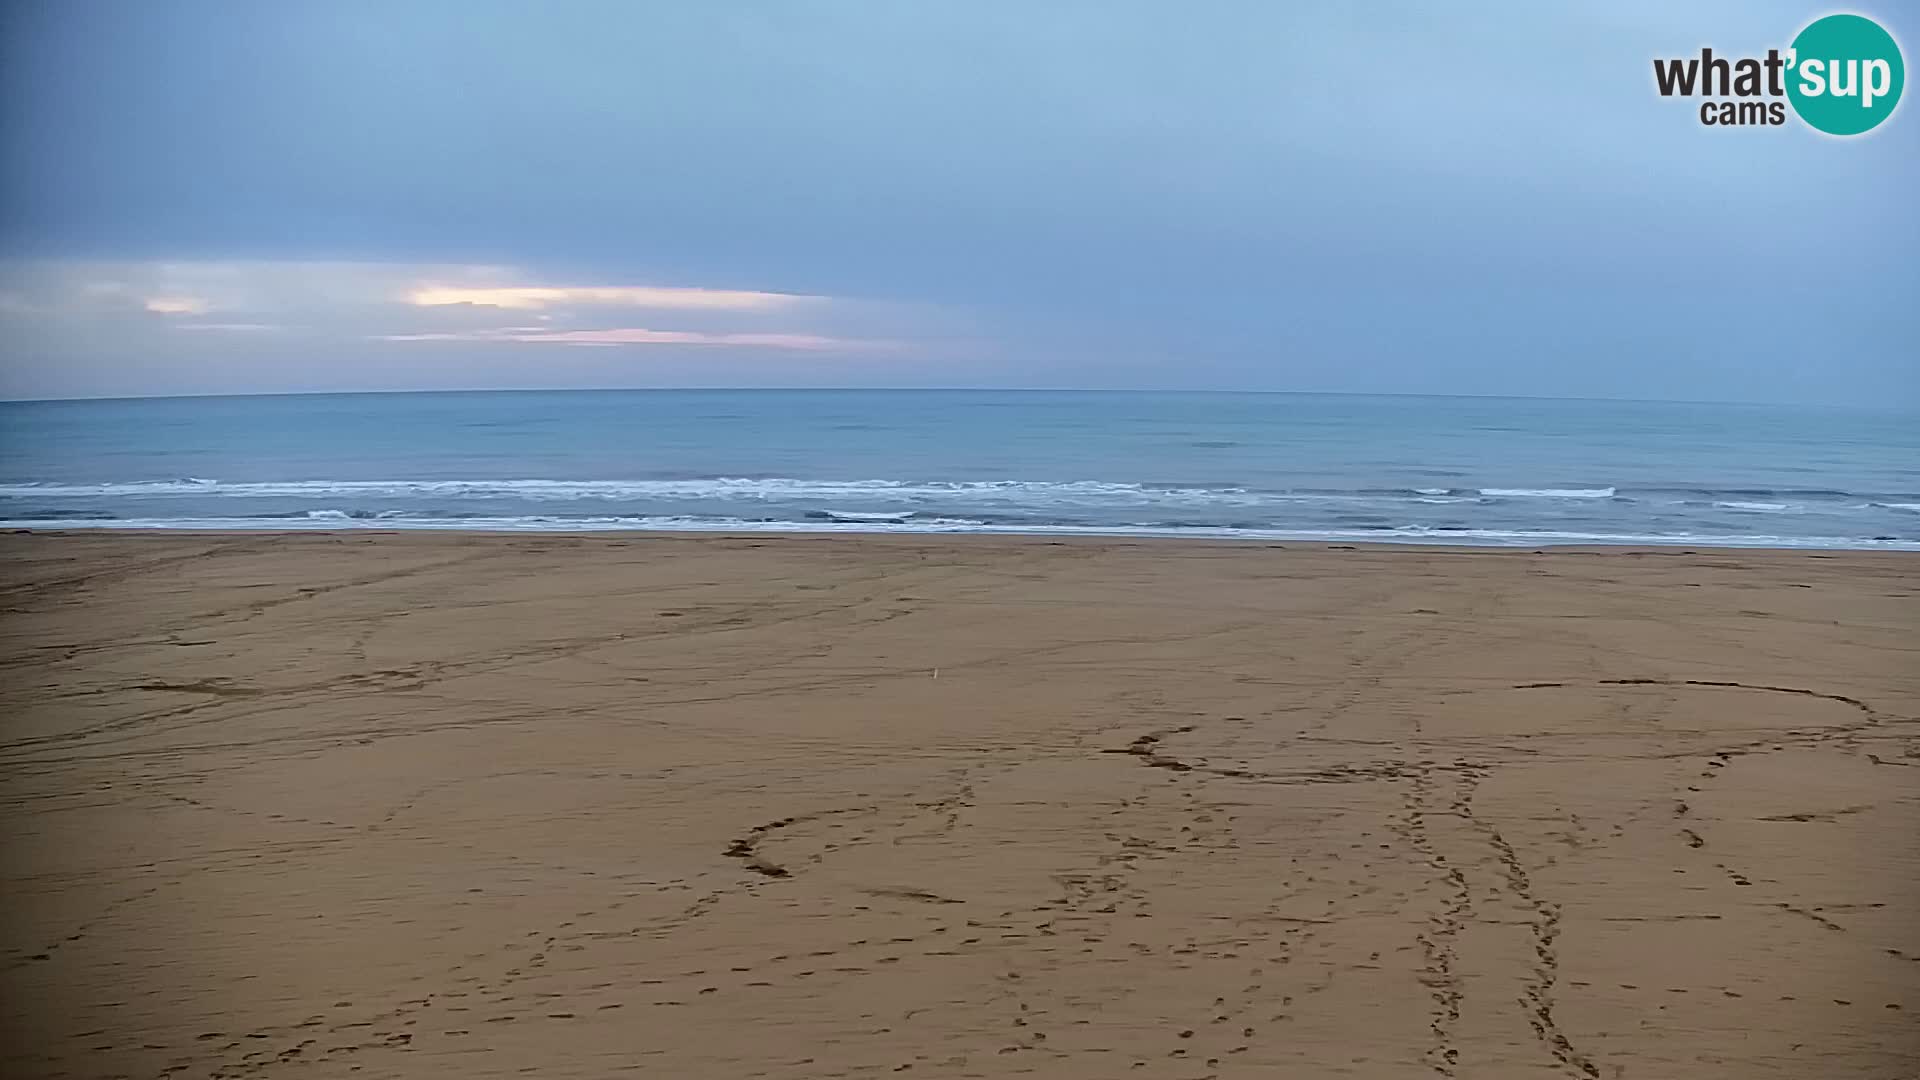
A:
(469, 806)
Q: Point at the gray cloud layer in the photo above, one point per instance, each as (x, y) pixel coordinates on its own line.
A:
(1412, 199)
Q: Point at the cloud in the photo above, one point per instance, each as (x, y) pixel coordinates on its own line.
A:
(434, 294)
(264, 325)
(643, 336)
(177, 305)
(525, 297)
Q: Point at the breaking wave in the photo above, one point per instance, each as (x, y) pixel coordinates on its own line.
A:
(1543, 514)
(1549, 493)
(770, 488)
(1401, 534)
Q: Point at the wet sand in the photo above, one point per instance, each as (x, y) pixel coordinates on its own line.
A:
(472, 806)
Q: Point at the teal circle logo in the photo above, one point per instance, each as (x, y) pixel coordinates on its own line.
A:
(1845, 74)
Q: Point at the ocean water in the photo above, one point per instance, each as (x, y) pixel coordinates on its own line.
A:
(1413, 469)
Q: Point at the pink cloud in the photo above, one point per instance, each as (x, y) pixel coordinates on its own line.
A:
(540, 296)
(177, 305)
(642, 336)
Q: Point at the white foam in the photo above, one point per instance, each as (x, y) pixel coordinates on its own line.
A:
(1403, 535)
(869, 517)
(1549, 493)
(736, 488)
(1751, 505)
(904, 495)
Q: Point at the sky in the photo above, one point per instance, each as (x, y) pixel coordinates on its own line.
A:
(1484, 198)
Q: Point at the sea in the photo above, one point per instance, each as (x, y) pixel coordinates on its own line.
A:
(1438, 470)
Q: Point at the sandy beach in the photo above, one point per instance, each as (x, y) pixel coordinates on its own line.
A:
(440, 805)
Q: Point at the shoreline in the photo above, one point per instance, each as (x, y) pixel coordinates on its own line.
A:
(1198, 536)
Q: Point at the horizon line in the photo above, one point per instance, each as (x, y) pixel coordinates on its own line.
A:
(935, 390)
